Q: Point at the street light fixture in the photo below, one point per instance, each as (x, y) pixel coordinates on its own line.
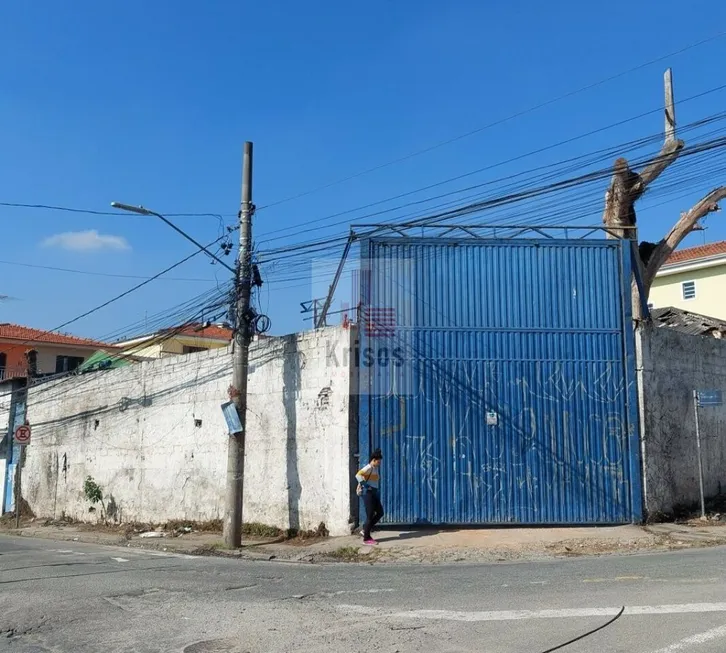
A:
(140, 210)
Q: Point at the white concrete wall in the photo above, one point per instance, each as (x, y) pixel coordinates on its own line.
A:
(154, 464)
(673, 366)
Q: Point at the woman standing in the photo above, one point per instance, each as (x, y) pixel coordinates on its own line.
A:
(368, 488)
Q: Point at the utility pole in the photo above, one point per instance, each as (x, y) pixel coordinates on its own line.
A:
(241, 347)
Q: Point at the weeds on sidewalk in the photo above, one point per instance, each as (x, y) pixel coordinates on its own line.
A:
(345, 554)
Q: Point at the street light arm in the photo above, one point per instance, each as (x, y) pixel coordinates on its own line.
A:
(144, 211)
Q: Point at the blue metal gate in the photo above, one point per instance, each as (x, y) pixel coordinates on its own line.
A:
(498, 379)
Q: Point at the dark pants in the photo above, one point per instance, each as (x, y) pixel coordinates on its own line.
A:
(374, 511)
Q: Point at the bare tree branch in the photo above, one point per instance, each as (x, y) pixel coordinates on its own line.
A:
(668, 154)
(679, 231)
(627, 186)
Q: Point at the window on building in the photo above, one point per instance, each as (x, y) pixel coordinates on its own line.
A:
(689, 289)
(67, 363)
(186, 349)
(3, 365)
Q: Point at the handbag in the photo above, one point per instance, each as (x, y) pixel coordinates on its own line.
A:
(359, 488)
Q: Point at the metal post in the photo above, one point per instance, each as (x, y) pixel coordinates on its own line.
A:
(700, 461)
(670, 110)
(320, 321)
(18, 490)
(238, 391)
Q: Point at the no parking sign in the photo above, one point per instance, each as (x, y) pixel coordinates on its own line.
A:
(22, 434)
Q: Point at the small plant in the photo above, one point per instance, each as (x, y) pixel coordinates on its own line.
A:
(94, 494)
(345, 554)
(255, 529)
(93, 491)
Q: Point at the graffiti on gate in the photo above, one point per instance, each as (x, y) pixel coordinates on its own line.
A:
(559, 428)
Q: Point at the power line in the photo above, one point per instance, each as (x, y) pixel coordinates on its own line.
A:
(525, 189)
(95, 274)
(215, 302)
(501, 121)
(122, 295)
(583, 199)
(69, 209)
(470, 173)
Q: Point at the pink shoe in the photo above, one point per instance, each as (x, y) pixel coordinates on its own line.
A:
(370, 542)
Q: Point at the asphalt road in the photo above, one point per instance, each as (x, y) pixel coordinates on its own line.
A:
(77, 598)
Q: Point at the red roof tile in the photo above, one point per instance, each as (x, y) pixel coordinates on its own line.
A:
(213, 331)
(16, 332)
(696, 253)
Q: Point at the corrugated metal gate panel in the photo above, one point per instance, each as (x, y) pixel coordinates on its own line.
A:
(515, 400)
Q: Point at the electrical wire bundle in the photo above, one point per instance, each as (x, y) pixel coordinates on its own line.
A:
(567, 192)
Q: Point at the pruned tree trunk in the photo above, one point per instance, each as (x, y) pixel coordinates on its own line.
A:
(627, 186)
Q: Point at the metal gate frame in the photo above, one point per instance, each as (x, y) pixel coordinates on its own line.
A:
(398, 235)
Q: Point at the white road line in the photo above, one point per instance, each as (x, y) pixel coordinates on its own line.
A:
(166, 554)
(120, 559)
(366, 591)
(516, 615)
(694, 640)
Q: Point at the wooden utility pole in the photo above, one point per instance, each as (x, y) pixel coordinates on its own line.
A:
(241, 347)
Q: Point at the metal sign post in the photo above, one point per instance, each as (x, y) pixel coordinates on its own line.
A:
(700, 461)
(700, 399)
(22, 437)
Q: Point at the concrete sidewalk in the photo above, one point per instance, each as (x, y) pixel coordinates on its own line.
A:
(432, 546)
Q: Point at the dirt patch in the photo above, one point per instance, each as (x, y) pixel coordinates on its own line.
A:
(691, 513)
(307, 538)
(26, 514)
(186, 526)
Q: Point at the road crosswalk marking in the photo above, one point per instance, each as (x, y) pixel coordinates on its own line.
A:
(515, 615)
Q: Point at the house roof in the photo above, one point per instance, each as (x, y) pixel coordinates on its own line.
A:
(213, 331)
(103, 360)
(686, 322)
(16, 332)
(209, 331)
(697, 253)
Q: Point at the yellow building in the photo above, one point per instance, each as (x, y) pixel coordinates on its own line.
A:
(694, 280)
(178, 341)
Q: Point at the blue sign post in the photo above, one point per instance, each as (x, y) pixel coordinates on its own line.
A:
(703, 398)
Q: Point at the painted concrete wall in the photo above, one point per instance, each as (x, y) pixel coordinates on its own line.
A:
(673, 366)
(152, 435)
(710, 297)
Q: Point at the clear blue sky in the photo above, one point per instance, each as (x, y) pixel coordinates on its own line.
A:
(149, 103)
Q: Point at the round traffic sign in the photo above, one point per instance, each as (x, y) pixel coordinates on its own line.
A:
(22, 434)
